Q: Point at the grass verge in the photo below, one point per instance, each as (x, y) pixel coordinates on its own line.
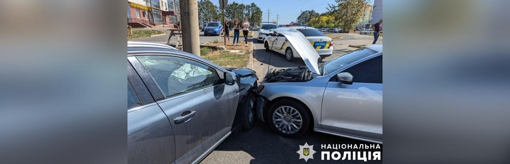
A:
(143, 33)
(227, 59)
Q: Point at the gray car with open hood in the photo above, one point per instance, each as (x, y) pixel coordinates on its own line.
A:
(341, 97)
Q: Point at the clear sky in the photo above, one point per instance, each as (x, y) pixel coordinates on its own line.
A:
(286, 10)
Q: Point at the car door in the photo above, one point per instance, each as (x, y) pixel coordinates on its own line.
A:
(150, 136)
(355, 109)
(280, 43)
(199, 105)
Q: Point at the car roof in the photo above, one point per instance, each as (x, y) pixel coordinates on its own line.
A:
(376, 47)
(156, 49)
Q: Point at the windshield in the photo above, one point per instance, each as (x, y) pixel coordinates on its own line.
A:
(212, 24)
(344, 60)
(268, 26)
(310, 32)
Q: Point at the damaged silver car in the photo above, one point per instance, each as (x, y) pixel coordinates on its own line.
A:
(341, 97)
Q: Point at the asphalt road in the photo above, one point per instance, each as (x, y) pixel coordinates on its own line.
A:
(261, 145)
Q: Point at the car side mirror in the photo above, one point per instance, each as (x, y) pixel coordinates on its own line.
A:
(229, 80)
(344, 78)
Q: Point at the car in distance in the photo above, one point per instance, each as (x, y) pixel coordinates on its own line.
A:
(279, 43)
(180, 106)
(265, 30)
(334, 30)
(341, 97)
(213, 28)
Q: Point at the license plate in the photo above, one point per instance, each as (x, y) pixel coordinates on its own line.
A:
(321, 44)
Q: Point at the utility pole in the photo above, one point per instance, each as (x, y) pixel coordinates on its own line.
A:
(277, 15)
(189, 22)
(268, 16)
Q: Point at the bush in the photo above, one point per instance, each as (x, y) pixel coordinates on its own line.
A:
(144, 33)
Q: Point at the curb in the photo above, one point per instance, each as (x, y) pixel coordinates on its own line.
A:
(250, 61)
(158, 35)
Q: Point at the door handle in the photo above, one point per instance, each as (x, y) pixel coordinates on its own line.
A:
(185, 116)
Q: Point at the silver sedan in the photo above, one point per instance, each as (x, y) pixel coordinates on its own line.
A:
(341, 97)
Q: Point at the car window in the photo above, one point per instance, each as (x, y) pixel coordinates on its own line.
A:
(133, 99)
(268, 26)
(176, 76)
(344, 60)
(369, 71)
(310, 32)
(213, 24)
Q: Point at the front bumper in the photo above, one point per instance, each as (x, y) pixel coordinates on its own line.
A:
(261, 104)
(211, 31)
(261, 37)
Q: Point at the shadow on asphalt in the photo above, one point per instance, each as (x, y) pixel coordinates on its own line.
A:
(268, 147)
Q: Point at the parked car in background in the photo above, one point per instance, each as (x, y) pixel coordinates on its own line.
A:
(323, 29)
(213, 28)
(279, 41)
(341, 97)
(366, 31)
(181, 106)
(334, 30)
(265, 30)
(203, 26)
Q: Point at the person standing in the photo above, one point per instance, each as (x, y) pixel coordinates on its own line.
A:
(246, 28)
(237, 27)
(226, 29)
(377, 28)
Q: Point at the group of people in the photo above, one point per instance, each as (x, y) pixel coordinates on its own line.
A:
(245, 26)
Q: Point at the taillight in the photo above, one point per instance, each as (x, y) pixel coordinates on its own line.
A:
(331, 44)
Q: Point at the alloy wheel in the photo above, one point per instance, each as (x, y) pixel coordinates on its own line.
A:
(287, 119)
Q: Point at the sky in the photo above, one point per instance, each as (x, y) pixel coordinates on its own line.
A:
(285, 11)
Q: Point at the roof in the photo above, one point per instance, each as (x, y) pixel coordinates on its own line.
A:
(376, 47)
(155, 49)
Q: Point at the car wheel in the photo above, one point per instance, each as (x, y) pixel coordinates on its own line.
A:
(289, 118)
(249, 112)
(266, 46)
(288, 54)
(205, 34)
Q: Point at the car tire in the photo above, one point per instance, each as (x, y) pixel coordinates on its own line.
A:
(249, 112)
(266, 46)
(292, 106)
(289, 55)
(205, 34)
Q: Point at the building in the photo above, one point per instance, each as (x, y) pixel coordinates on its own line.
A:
(150, 13)
(138, 13)
(377, 12)
(170, 12)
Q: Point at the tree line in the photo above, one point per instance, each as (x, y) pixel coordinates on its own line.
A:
(208, 12)
(346, 14)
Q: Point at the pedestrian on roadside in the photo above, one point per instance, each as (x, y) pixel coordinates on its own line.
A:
(376, 28)
(246, 28)
(226, 29)
(237, 27)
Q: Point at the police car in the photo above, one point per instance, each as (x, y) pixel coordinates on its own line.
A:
(278, 43)
(265, 30)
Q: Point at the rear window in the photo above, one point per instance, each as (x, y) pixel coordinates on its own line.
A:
(268, 26)
(310, 32)
(212, 24)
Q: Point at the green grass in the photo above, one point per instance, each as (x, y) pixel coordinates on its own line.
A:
(216, 41)
(227, 59)
(204, 51)
(144, 33)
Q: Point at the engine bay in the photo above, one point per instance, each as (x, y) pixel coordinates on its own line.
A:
(295, 74)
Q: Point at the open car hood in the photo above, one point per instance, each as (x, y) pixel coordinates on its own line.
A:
(302, 47)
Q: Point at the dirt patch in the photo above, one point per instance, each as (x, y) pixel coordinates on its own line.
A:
(231, 47)
(334, 36)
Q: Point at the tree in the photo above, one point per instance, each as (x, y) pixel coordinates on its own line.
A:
(239, 11)
(207, 11)
(306, 16)
(349, 12)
